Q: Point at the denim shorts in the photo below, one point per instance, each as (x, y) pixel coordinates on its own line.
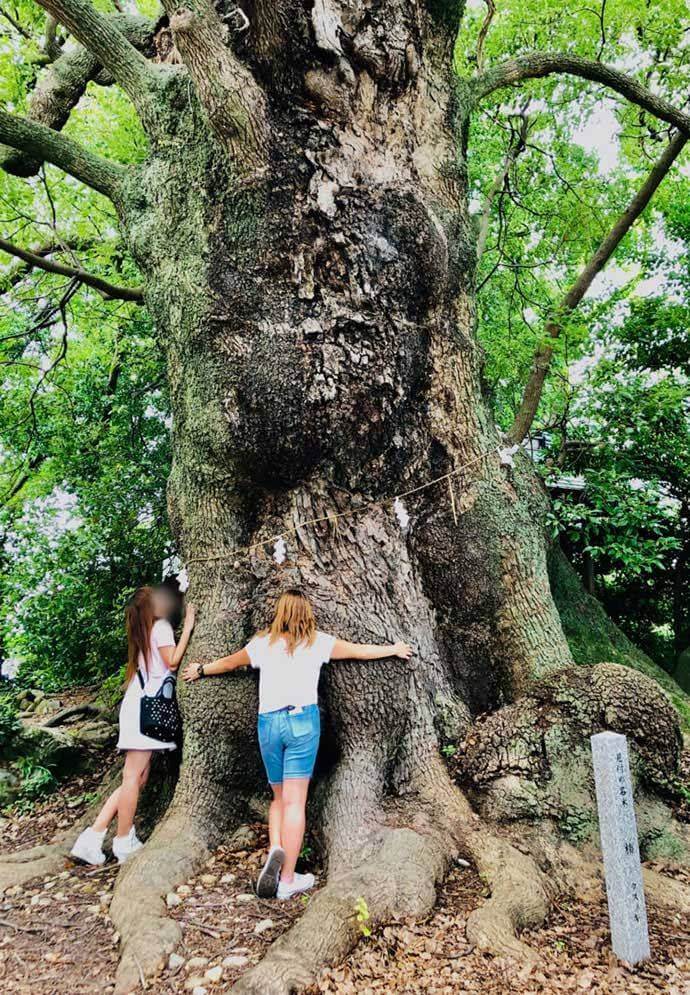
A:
(289, 741)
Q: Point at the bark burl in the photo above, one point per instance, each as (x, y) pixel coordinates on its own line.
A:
(301, 225)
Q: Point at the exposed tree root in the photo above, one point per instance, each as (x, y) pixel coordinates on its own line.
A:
(18, 868)
(175, 851)
(399, 880)
(88, 708)
(521, 896)
(37, 861)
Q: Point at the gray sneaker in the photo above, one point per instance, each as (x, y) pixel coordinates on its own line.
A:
(267, 883)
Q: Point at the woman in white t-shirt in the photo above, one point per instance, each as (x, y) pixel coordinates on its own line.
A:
(152, 653)
(289, 656)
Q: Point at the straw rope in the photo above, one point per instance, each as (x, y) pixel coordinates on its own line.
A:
(333, 517)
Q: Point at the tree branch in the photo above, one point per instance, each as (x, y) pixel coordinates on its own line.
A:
(233, 100)
(10, 278)
(63, 84)
(47, 145)
(483, 32)
(18, 27)
(101, 36)
(535, 65)
(542, 359)
(108, 290)
(516, 147)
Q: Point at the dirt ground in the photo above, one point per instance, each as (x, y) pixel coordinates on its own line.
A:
(56, 937)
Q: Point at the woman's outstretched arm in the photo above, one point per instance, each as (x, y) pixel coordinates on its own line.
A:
(342, 650)
(221, 666)
(172, 655)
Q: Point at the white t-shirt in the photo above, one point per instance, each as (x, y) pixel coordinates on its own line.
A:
(288, 679)
(161, 635)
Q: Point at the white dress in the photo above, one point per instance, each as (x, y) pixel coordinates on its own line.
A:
(130, 732)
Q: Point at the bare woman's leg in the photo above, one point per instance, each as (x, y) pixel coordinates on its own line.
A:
(136, 767)
(275, 815)
(108, 812)
(111, 805)
(292, 823)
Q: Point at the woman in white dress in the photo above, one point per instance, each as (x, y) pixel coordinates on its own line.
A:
(153, 654)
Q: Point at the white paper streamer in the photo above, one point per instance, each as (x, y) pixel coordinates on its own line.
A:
(401, 513)
(507, 454)
(280, 551)
(171, 566)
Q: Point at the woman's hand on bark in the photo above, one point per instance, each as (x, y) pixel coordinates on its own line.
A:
(402, 650)
(189, 617)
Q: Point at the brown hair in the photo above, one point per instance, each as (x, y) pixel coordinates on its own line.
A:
(294, 620)
(139, 618)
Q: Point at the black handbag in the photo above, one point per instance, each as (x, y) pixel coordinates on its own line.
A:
(159, 714)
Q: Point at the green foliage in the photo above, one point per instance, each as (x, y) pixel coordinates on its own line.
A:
(9, 719)
(362, 916)
(84, 448)
(576, 825)
(616, 401)
(661, 844)
(36, 779)
(111, 691)
(628, 529)
(92, 523)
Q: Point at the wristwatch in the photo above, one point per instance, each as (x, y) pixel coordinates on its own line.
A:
(200, 670)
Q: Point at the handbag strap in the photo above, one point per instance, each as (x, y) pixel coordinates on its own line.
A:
(169, 678)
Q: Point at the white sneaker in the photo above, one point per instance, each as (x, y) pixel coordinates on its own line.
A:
(89, 847)
(125, 846)
(300, 882)
(267, 883)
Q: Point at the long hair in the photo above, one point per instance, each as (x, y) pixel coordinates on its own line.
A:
(294, 620)
(139, 618)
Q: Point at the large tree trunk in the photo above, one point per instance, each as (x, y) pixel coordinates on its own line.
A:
(315, 299)
(318, 319)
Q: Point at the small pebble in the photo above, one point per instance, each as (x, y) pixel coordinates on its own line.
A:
(228, 878)
(196, 963)
(236, 960)
(195, 985)
(183, 889)
(208, 880)
(263, 926)
(214, 974)
(243, 899)
(171, 899)
(175, 962)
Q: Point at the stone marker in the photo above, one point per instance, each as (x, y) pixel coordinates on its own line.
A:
(618, 830)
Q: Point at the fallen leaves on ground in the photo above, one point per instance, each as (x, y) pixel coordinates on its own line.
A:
(56, 936)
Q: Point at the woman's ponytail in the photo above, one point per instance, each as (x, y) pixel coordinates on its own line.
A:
(139, 619)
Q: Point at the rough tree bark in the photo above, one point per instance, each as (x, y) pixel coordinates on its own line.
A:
(301, 225)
